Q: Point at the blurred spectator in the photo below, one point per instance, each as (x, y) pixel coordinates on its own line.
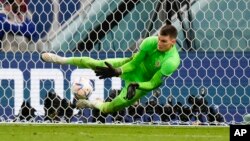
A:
(214, 115)
(136, 111)
(98, 116)
(157, 93)
(157, 108)
(186, 113)
(26, 113)
(150, 106)
(182, 112)
(201, 110)
(18, 32)
(167, 113)
(153, 108)
(119, 116)
(246, 119)
(57, 109)
(203, 91)
(170, 100)
(199, 107)
(177, 110)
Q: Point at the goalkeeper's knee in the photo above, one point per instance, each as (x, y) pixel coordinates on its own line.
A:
(107, 108)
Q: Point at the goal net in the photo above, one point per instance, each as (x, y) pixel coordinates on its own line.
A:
(210, 87)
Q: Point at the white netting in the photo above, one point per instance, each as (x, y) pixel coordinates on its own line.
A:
(211, 86)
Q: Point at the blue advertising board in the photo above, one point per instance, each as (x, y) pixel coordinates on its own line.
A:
(225, 75)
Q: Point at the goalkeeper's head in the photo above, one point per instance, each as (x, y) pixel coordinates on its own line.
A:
(167, 37)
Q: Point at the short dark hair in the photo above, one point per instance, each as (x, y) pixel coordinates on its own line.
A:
(169, 30)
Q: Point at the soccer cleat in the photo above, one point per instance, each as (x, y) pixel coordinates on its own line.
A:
(82, 103)
(53, 58)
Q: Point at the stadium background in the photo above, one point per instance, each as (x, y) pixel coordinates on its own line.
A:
(213, 42)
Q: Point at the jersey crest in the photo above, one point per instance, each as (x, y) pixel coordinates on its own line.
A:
(157, 64)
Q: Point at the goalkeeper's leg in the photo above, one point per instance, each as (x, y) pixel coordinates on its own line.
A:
(53, 58)
(115, 105)
(82, 62)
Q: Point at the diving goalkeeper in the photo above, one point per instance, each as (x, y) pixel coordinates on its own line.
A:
(145, 71)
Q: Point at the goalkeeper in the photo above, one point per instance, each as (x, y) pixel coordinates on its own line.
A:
(157, 59)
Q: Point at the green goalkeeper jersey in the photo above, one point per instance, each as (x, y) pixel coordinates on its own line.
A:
(149, 66)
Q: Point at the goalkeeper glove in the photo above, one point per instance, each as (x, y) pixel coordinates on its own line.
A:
(106, 72)
(131, 90)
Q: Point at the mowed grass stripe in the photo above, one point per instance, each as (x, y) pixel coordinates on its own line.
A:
(54, 132)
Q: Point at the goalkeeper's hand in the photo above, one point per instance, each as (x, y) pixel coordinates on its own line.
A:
(106, 72)
(131, 90)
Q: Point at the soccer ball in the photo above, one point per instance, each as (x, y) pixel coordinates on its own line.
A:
(82, 87)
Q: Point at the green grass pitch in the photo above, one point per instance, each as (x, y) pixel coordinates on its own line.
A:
(86, 132)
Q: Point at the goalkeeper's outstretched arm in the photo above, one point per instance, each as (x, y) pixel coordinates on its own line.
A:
(110, 71)
(153, 83)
